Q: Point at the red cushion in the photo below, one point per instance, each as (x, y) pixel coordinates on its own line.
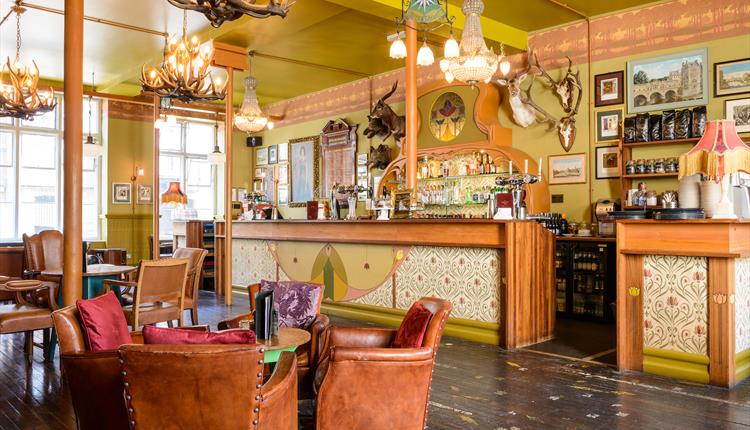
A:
(176, 336)
(103, 323)
(413, 327)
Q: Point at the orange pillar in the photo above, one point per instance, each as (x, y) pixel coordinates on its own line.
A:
(73, 153)
(411, 107)
(156, 193)
(228, 127)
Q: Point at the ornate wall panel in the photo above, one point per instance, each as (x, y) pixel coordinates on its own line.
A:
(381, 296)
(251, 262)
(742, 304)
(675, 311)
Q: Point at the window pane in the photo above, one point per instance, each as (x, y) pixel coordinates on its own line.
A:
(170, 170)
(7, 203)
(47, 120)
(170, 138)
(37, 209)
(6, 148)
(198, 172)
(38, 150)
(199, 138)
(6, 120)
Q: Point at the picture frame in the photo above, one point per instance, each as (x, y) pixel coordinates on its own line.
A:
(566, 169)
(609, 125)
(268, 184)
(145, 195)
(258, 172)
(738, 110)
(283, 152)
(362, 158)
(273, 154)
(607, 162)
(283, 174)
(656, 83)
(122, 193)
(261, 156)
(283, 194)
(304, 170)
(610, 89)
(732, 77)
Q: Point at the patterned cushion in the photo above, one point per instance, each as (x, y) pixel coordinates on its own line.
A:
(297, 302)
(413, 327)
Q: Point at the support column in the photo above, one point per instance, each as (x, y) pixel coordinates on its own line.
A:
(228, 128)
(73, 153)
(156, 193)
(412, 113)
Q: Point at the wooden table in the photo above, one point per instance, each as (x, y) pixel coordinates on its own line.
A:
(94, 277)
(287, 340)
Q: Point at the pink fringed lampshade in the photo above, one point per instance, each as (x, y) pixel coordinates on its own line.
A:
(174, 194)
(719, 152)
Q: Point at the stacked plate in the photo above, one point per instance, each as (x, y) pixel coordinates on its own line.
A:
(710, 196)
(689, 192)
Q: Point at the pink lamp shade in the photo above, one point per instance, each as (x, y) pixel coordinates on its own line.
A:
(719, 152)
(174, 194)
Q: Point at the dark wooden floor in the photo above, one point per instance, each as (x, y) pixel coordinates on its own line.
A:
(475, 386)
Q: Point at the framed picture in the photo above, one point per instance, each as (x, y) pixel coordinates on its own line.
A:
(739, 111)
(566, 169)
(258, 172)
(609, 89)
(668, 82)
(608, 125)
(283, 194)
(268, 182)
(607, 162)
(273, 154)
(732, 77)
(261, 156)
(304, 166)
(121, 193)
(145, 195)
(283, 174)
(361, 159)
(283, 152)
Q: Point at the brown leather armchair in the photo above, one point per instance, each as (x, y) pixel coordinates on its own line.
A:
(27, 316)
(307, 354)
(195, 257)
(365, 384)
(43, 252)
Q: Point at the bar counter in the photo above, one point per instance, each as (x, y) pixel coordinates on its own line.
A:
(683, 299)
(499, 275)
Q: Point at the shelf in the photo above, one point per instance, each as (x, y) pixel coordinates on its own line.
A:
(449, 178)
(651, 175)
(640, 208)
(662, 142)
(454, 204)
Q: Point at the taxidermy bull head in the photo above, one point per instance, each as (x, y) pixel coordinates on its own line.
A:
(379, 157)
(384, 122)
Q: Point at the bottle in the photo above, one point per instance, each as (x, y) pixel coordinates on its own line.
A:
(493, 168)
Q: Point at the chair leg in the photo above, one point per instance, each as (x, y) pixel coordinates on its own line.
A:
(46, 345)
(194, 315)
(28, 345)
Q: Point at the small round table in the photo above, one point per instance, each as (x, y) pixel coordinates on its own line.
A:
(287, 340)
(95, 274)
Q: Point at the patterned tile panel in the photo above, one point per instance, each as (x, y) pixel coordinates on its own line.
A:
(742, 304)
(251, 262)
(468, 277)
(381, 296)
(675, 302)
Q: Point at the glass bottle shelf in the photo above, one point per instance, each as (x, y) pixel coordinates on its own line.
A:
(453, 178)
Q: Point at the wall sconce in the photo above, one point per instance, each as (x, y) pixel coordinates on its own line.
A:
(138, 172)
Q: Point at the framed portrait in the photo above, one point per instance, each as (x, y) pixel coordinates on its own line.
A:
(273, 154)
(283, 197)
(566, 169)
(608, 125)
(283, 174)
(268, 184)
(609, 89)
(607, 162)
(668, 81)
(739, 111)
(304, 169)
(145, 195)
(121, 193)
(732, 77)
(282, 152)
(261, 156)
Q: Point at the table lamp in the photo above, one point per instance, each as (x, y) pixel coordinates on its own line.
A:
(718, 154)
(174, 194)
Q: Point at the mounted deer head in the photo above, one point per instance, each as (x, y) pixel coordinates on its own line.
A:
(523, 114)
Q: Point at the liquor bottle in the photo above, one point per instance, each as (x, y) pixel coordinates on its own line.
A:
(493, 168)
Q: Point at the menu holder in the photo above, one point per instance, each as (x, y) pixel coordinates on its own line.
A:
(264, 315)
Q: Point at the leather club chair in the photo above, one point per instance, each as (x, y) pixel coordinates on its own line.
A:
(363, 383)
(307, 354)
(28, 315)
(195, 257)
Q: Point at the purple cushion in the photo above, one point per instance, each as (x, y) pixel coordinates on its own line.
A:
(103, 323)
(176, 336)
(297, 302)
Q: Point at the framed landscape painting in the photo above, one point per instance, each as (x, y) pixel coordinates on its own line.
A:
(732, 77)
(668, 82)
(738, 111)
(567, 169)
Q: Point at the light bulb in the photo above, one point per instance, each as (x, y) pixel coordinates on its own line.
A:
(398, 49)
(425, 57)
(444, 65)
(505, 66)
(194, 40)
(270, 125)
(217, 81)
(449, 77)
(451, 49)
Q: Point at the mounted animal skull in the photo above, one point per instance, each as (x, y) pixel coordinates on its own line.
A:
(384, 122)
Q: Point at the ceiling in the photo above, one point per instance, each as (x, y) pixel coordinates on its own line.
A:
(321, 43)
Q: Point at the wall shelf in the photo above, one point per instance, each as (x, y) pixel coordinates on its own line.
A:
(651, 175)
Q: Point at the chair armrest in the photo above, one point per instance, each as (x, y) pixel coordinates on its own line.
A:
(20, 287)
(24, 285)
(359, 337)
(278, 408)
(317, 332)
(381, 354)
(235, 321)
(119, 283)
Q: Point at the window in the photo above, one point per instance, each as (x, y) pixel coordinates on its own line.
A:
(184, 147)
(31, 175)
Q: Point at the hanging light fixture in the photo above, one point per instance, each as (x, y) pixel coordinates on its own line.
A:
(250, 118)
(427, 15)
(219, 11)
(174, 195)
(398, 47)
(20, 98)
(90, 147)
(184, 74)
(425, 57)
(504, 63)
(217, 157)
(451, 49)
(475, 62)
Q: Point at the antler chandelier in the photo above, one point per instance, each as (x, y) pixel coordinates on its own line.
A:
(20, 98)
(474, 62)
(250, 118)
(184, 74)
(219, 11)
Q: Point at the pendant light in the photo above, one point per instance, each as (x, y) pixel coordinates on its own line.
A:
(217, 157)
(425, 16)
(451, 49)
(90, 147)
(250, 118)
(425, 57)
(475, 62)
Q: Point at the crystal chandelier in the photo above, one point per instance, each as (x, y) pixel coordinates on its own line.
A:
(20, 98)
(250, 118)
(184, 75)
(427, 15)
(474, 62)
(219, 11)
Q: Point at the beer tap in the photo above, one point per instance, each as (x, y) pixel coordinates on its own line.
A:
(517, 182)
